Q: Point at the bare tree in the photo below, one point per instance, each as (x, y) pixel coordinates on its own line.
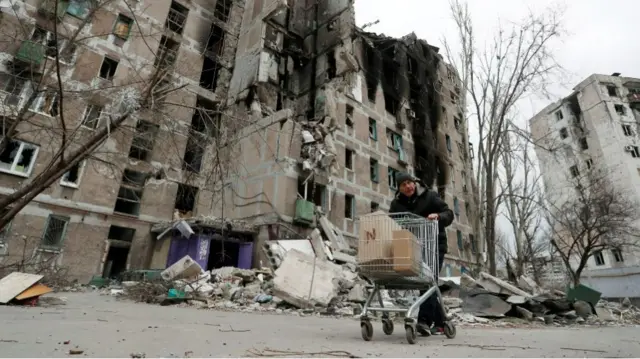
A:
(520, 186)
(595, 215)
(517, 63)
(54, 110)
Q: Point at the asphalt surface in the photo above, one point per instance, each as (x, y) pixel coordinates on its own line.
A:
(101, 326)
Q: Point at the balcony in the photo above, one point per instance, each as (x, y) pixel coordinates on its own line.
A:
(31, 52)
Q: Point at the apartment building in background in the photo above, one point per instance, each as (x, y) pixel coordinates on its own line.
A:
(597, 128)
(267, 71)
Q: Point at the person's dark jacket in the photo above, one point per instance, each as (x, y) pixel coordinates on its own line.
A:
(423, 203)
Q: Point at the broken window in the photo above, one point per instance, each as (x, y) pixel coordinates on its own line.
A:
(209, 74)
(456, 207)
(186, 198)
(589, 163)
(459, 239)
(349, 115)
(193, 155)
(72, 177)
(373, 129)
(55, 231)
(575, 172)
(474, 245)
(46, 103)
(332, 66)
(79, 8)
(222, 9)
(348, 159)
(626, 129)
(143, 140)
(374, 170)
(130, 193)
(598, 258)
(215, 43)
(52, 47)
(177, 17)
(91, 118)
(349, 206)
(18, 157)
(121, 233)
(390, 103)
(108, 68)
(12, 86)
(617, 255)
(167, 53)
(312, 192)
(394, 140)
(453, 96)
(564, 133)
(456, 123)
(634, 150)
(447, 140)
(620, 109)
(391, 178)
(559, 115)
(374, 207)
(584, 145)
(122, 27)
(612, 90)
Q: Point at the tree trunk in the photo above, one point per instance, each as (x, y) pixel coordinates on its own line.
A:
(490, 233)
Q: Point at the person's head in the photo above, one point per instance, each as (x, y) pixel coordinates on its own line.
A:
(406, 184)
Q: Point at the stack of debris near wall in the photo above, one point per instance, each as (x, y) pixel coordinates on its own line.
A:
(489, 299)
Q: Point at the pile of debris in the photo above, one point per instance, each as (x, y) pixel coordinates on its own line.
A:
(301, 284)
(488, 298)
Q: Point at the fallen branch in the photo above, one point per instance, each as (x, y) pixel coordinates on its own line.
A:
(586, 350)
(231, 330)
(283, 353)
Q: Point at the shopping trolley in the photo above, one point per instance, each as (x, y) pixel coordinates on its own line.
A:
(399, 251)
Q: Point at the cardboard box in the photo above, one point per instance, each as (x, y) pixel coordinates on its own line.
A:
(375, 239)
(405, 253)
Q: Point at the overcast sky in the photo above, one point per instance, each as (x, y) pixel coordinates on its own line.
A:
(601, 35)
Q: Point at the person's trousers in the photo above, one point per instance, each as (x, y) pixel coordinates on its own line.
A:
(429, 312)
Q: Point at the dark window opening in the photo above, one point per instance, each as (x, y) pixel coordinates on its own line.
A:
(620, 109)
(349, 206)
(209, 75)
(177, 17)
(167, 53)
(72, 177)
(332, 66)
(206, 120)
(130, 193)
(374, 171)
(215, 43)
(564, 133)
(612, 90)
(143, 140)
(348, 158)
(186, 198)
(456, 123)
(390, 103)
(617, 255)
(374, 207)
(599, 258)
(574, 171)
(116, 262)
(559, 115)
(193, 155)
(635, 151)
(626, 129)
(312, 192)
(349, 115)
(222, 9)
(584, 145)
(223, 253)
(121, 233)
(108, 68)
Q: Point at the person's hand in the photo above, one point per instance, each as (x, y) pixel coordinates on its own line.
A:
(433, 216)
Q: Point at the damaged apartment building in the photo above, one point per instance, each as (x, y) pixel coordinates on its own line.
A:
(335, 113)
(292, 114)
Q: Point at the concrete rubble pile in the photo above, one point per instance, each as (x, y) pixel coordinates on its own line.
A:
(488, 299)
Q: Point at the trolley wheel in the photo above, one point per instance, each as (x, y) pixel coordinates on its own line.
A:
(367, 330)
(387, 326)
(450, 330)
(411, 334)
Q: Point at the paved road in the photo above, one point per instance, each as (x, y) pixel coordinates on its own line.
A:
(102, 326)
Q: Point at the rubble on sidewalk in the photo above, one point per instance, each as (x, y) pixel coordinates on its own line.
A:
(492, 301)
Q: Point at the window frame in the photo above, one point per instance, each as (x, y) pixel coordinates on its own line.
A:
(120, 18)
(66, 220)
(374, 170)
(352, 207)
(391, 178)
(38, 103)
(83, 121)
(373, 129)
(32, 164)
(65, 183)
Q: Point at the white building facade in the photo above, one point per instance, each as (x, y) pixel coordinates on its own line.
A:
(596, 127)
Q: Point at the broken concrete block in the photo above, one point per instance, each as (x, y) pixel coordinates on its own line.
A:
(605, 314)
(186, 267)
(485, 305)
(315, 237)
(525, 314)
(582, 308)
(516, 299)
(340, 257)
(467, 281)
(528, 284)
(452, 302)
(497, 285)
(337, 240)
(305, 282)
(357, 294)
